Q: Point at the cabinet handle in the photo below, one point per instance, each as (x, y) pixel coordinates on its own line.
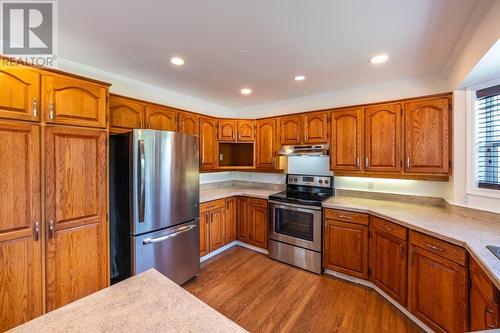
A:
(486, 311)
(408, 165)
(388, 229)
(35, 112)
(51, 109)
(366, 162)
(357, 162)
(51, 228)
(401, 251)
(345, 217)
(239, 136)
(36, 227)
(435, 248)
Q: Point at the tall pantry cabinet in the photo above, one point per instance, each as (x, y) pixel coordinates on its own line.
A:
(53, 226)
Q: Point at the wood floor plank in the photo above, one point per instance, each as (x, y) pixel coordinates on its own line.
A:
(264, 295)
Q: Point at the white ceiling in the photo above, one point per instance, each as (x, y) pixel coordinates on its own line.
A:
(329, 42)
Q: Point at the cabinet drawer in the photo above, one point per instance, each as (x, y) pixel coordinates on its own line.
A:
(257, 202)
(211, 205)
(444, 249)
(389, 227)
(342, 215)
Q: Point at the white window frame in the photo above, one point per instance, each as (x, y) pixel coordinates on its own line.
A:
(471, 183)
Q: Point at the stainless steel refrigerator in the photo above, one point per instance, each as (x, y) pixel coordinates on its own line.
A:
(154, 204)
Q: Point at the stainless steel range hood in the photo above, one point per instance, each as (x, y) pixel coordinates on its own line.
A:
(305, 150)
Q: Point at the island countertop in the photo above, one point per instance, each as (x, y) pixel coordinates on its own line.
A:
(148, 302)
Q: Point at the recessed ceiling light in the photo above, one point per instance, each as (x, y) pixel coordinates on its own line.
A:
(378, 59)
(299, 78)
(177, 61)
(246, 91)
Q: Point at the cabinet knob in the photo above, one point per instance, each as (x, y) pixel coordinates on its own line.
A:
(51, 228)
(36, 229)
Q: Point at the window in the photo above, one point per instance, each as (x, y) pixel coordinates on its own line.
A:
(487, 113)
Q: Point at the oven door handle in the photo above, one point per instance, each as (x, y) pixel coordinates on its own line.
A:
(294, 207)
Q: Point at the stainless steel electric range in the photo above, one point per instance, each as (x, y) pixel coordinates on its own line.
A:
(295, 223)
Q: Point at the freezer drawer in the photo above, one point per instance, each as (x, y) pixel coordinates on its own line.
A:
(174, 252)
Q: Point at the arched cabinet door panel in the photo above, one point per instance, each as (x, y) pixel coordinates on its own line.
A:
(383, 138)
(266, 145)
(189, 123)
(316, 128)
(208, 143)
(426, 136)
(227, 130)
(246, 130)
(125, 113)
(291, 130)
(19, 93)
(161, 118)
(72, 101)
(346, 144)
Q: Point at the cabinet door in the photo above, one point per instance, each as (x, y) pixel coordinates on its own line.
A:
(227, 130)
(484, 300)
(77, 247)
(426, 136)
(125, 113)
(217, 229)
(291, 130)
(230, 216)
(437, 291)
(73, 101)
(208, 143)
(204, 227)
(266, 144)
(347, 132)
(19, 93)
(242, 219)
(316, 128)
(258, 222)
(161, 118)
(346, 248)
(189, 123)
(389, 257)
(20, 246)
(246, 130)
(383, 138)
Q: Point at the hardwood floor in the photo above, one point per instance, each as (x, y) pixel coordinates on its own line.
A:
(264, 295)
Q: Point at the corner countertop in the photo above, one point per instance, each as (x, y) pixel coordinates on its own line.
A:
(229, 191)
(148, 302)
(473, 234)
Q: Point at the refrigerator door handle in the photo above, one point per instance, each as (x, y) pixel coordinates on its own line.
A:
(172, 235)
(142, 185)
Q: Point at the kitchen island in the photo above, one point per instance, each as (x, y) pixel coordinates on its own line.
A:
(148, 302)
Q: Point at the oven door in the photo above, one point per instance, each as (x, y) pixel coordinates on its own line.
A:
(296, 225)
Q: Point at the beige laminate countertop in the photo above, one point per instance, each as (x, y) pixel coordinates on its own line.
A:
(472, 234)
(148, 302)
(229, 191)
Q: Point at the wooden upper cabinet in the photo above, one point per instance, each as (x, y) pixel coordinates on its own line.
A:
(437, 291)
(20, 248)
(227, 130)
(389, 254)
(189, 123)
(316, 128)
(230, 216)
(426, 136)
(208, 143)
(347, 140)
(160, 118)
(383, 138)
(291, 130)
(266, 145)
(484, 300)
(19, 93)
(125, 113)
(71, 101)
(76, 245)
(246, 130)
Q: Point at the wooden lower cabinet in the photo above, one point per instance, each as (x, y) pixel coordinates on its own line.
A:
(243, 230)
(257, 220)
(212, 226)
(76, 229)
(345, 243)
(204, 227)
(437, 288)
(389, 255)
(484, 308)
(20, 214)
(230, 219)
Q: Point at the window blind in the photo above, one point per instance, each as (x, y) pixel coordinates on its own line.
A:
(488, 138)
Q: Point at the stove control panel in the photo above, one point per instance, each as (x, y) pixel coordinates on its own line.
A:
(317, 181)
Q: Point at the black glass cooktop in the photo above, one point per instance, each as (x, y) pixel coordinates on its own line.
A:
(302, 198)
